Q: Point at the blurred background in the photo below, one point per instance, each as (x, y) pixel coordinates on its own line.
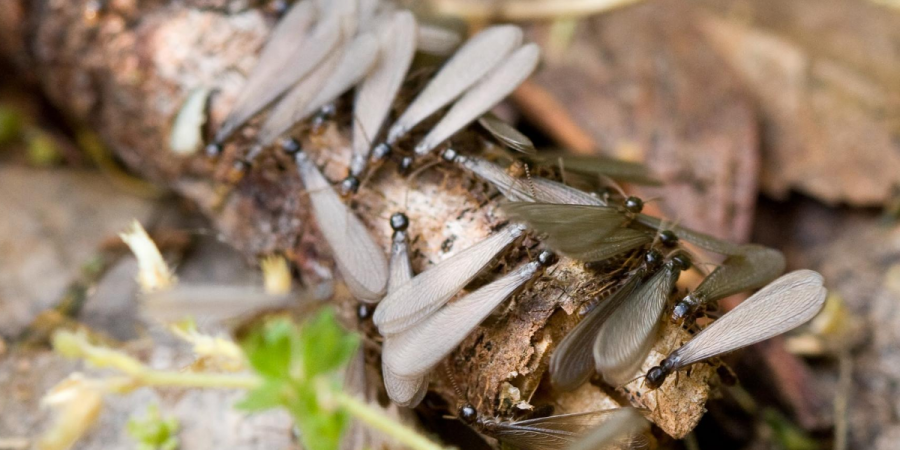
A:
(771, 121)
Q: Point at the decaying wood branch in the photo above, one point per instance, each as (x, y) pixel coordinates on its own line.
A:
(124, 67)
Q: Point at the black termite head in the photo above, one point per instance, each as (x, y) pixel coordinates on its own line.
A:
(381, 152)
(349, 186)
(681, 261)
(634, 205)
(468, 414)
(291, 146)
(726, 375)
(682, 311)
(405, 164)
(547, 258)
(364, 311)
(213, 149)
(657, 374)
(449, 155)
(668, 238)
(399, 221)
(653, 258)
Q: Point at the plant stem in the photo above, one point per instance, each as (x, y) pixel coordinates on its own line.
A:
(200, 380)
(378, 420)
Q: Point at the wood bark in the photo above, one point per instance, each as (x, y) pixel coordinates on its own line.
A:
(124, 68)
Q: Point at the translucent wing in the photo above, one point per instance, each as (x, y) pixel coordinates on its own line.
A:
(377, 92)
(414, 352)
(282, 117)
(601, 166)
(701, 240)
(490, 90)
(548, 433)
(525, 190)
(360, 260)
(624, 427)
(783, 305)
(431, 289)
(209, 302)
(572, 363)
(407, 392)
(336, 75)
(625, 339)
(268, 82)
(619, 241)
(470, 63)
(437, 40)
(570, 229)
(754, 268)
(506, 134)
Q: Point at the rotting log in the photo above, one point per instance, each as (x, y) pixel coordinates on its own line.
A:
(124, 67)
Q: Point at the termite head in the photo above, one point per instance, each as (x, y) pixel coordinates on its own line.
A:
(381, 152)
(468, 414)
(653, 258)
(681, 261)
(399, 222)
(656, 376)
(547, 258)
(213, 149)
(449, 155)
(405, 164)
(364, 311)
(634, 205)
(668, 238)
(291, 146)
(685, 308)
(349, 186)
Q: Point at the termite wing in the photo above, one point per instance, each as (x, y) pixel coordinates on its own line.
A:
(755, 267)
(376, 93)
(414, 352)
(431, 289)
(484, 95)
(535, 189)
(436, 40)
(284, 62)
(559, 432)
(470, 63)
(624, 341)
(407, 392)
(781, 306)
(360, 260)
(625, 427)
(334, 76)
(599, 166)
(506, 134)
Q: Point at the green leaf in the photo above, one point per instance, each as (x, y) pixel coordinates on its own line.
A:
(320, 429)
(270, 395)
(269, 350)
(154, 432)
(325, 346)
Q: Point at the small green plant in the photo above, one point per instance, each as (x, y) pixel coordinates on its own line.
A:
(153, 431)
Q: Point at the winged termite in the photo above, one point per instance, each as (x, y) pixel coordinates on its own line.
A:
(599, 166)
(407, 392)
(374, 97)
(755, 267)
(277, 72)
(360, 260)
(557, 432)
(570, 229)
(701, 240)
(624, 427)
(431, 289)
(337, 74)
(414, 352)
(518, 189)
(781, 306)
(470, 63)
(506, 134)
(484, 95)
(572, 363)
(437, 40)
(624, 341)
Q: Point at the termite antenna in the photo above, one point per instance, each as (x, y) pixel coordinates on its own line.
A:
(453, 383)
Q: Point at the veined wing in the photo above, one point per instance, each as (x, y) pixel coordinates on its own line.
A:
(360, 260)
(570, 229)
(783, 305)
(470, 63)
(431, 289)
(490, 90)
